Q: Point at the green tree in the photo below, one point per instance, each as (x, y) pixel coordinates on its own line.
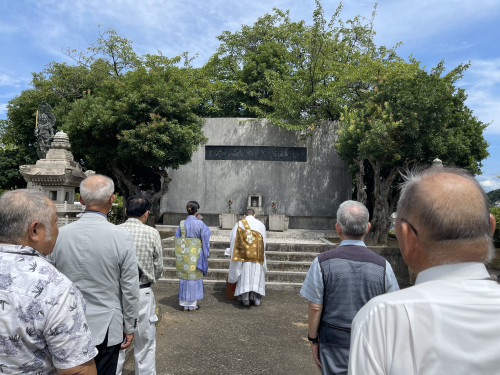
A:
(410, 117)
(130, 117)
(494, 196)
(294, 74)
(239, 85)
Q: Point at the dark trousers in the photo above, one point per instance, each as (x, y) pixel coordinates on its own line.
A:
(107, 358)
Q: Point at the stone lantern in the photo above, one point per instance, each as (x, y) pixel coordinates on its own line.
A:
(57, 176)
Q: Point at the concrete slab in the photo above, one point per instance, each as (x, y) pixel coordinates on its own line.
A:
(224, 338)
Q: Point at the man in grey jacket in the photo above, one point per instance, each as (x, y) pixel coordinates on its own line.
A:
(99, 258)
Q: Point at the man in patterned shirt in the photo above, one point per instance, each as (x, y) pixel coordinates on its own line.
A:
(150, 260)
(42, 323)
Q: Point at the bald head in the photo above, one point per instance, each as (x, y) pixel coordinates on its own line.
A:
(449, 210)
(352, 217)
(96, 190)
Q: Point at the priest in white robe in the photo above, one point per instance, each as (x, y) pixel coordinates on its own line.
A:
(249, 275)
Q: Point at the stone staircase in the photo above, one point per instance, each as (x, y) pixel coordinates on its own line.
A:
(289, 255)
(288, 260)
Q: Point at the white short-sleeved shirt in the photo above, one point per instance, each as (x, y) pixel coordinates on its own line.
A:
(42, 315)
(448, 323)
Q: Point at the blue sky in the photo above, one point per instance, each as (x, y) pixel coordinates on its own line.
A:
(35, 32)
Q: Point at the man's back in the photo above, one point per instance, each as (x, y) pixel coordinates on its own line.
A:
(148, 249)
(352, 275)
(99, 258)
(448, 323)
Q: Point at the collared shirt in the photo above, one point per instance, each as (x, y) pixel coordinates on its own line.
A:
(313, 288)
(148, 249)
(42, 315)
(448, 323)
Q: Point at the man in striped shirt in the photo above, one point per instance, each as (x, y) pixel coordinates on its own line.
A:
(150, 260)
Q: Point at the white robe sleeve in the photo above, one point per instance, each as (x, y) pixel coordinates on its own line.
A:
(234, 267)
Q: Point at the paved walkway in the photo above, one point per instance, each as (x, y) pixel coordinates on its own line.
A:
(224, 338)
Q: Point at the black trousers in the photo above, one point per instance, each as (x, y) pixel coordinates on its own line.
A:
(107, 358)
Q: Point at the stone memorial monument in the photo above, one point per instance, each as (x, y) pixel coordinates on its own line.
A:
(303, 173)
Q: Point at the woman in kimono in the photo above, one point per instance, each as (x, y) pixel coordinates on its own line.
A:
(192, 246)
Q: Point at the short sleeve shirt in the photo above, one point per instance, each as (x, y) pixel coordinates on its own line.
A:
(313, 288)
(42, 318)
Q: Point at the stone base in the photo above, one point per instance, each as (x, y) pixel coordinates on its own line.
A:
(278, 223)
(228, 221)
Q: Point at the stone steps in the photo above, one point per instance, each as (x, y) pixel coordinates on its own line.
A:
(271, 264)
(278, 256)
(288, 260)
(316, 248)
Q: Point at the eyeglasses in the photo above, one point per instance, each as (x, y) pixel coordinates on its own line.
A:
(410, 225)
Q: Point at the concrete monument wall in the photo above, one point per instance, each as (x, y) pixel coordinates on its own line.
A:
(308, 191)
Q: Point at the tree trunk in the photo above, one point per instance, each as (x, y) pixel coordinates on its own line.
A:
(155, 212)
(381, 218)
(128, 188)
(360, 182)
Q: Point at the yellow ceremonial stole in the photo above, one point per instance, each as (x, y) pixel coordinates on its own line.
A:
(187, 252)
(249, 245)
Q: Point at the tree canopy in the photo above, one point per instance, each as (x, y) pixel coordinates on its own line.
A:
(407, 119)
(128, 116)
(133, 116)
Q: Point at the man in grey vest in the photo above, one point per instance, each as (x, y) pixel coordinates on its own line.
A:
(339, 282)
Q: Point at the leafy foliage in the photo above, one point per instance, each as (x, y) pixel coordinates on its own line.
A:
(409, 117)
(127, 116)
(494, 196)
(496, 236)
(292, 73)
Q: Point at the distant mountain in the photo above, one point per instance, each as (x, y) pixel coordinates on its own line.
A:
(494, 196)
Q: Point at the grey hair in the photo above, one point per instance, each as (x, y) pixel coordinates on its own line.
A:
(96, 189)
(456, 218)
(18, 209)
(353, 218)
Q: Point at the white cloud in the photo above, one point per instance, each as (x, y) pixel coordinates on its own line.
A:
(489, 183)
(482, 84)
(410, 21)
(8, 80)
(3, 108)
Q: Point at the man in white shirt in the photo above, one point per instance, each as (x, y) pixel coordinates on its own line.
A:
(448, 323)
(247, 271)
